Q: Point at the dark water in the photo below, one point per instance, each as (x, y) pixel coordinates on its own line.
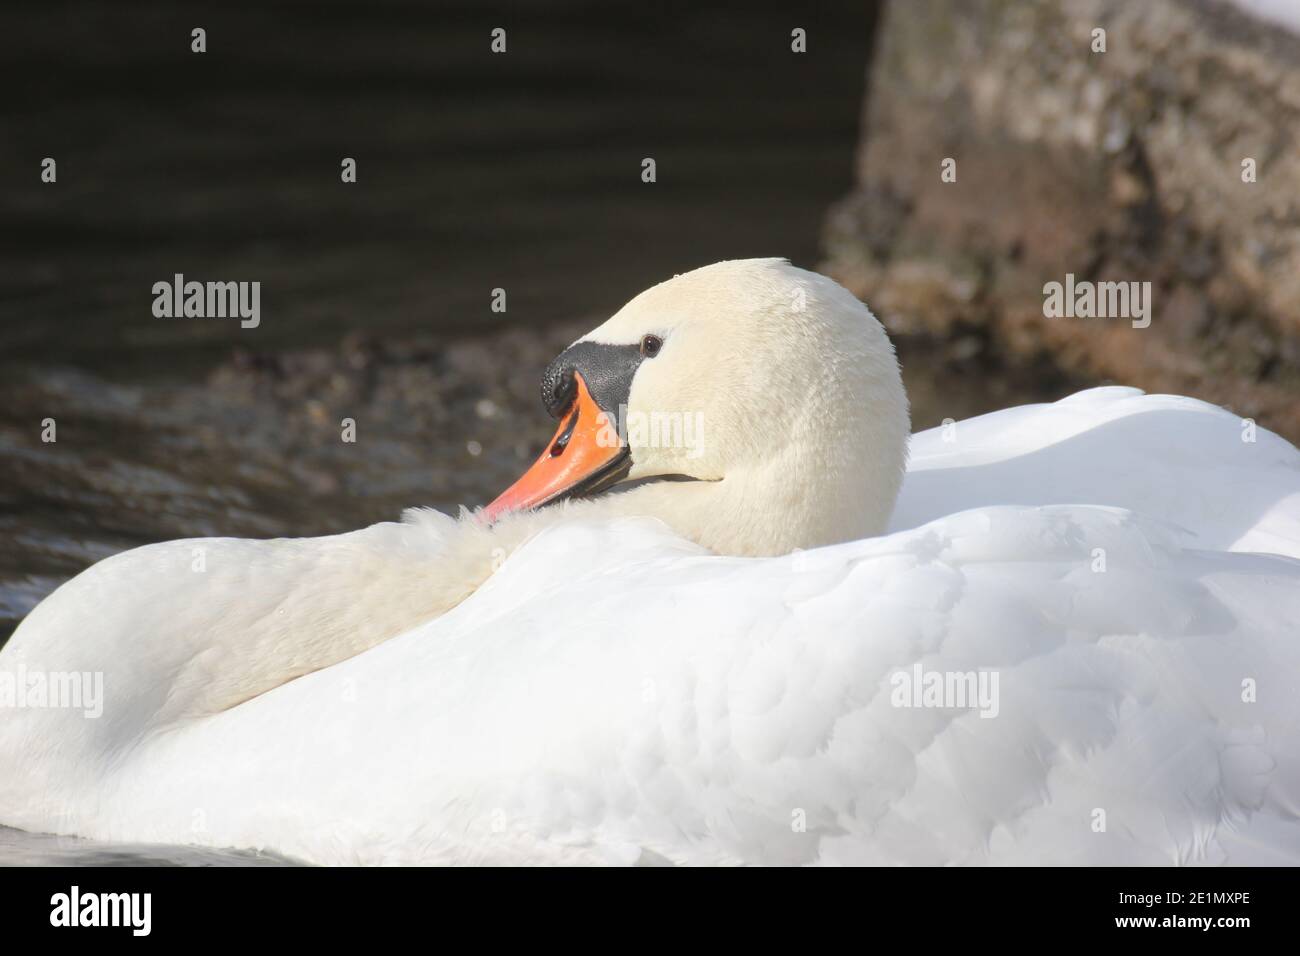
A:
(475, 172)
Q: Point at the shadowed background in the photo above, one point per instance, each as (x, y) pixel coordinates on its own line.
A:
(476, 170)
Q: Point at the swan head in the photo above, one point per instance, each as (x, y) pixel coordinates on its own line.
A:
(753, 406)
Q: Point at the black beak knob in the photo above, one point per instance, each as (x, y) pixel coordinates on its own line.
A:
(558, 387)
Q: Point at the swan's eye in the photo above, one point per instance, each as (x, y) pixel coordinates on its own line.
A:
(650, 345)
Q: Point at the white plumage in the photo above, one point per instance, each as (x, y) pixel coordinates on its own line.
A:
(616, 693)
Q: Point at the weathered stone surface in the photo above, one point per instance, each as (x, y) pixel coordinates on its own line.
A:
(1122, 165)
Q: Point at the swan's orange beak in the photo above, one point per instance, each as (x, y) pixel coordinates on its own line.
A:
(585, 456)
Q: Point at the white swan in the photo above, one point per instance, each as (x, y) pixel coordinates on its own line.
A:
(584, 682)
